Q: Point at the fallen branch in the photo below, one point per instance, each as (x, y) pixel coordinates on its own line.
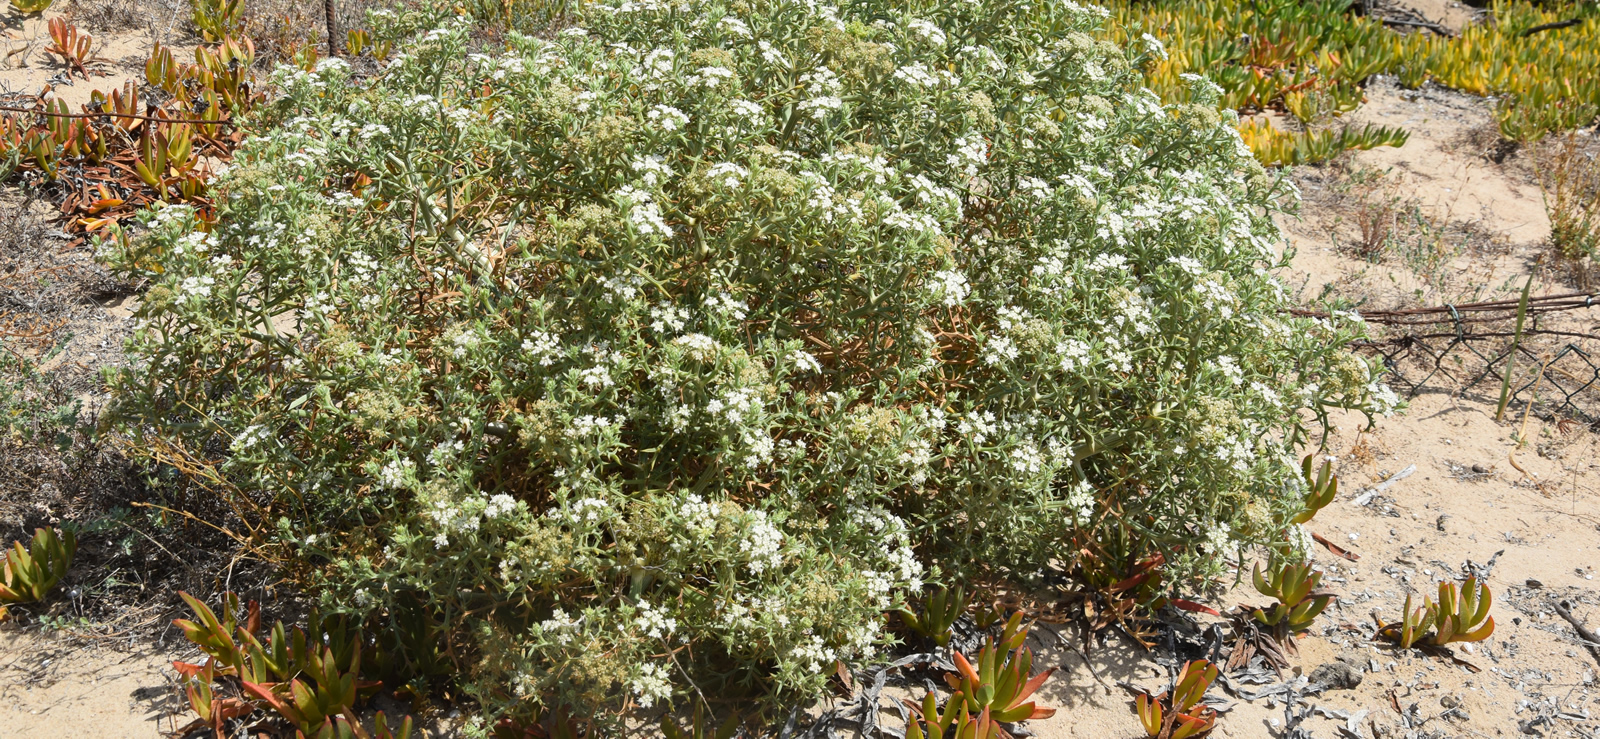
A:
(1436, 28)
(1366, 496)
(1551, 26)
(1590, 641)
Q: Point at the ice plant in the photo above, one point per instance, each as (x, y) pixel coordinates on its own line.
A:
(1462, 612)
(999, 684)
(1295, 588)
(1412, 626)
(28, 575)
(940, 609)
(1178, 713)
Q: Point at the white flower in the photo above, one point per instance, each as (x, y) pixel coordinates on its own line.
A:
(542, 347)
(763, 544)
(1215, 297)
(596, 377)
(667, 117)
(652, 685)
(731, 174)
(813, 654)
(654, 621)
(1026, 459)
(917, 456)
(759, 448)
(916, 74)
(643, 212)
(753, 113)
(977, 426)
(248, 438)
(734, 404)
(999, 350)
(1081, 501)
(1230, 369)
(912, 222)
(726, 305)
(396, 473)
(932, 33)
(561, 626)
(1154, 46)
(972, 151)
(1301, 540)
(1108, 262)
(821, 106)
(1073, 353)
(500, 505)
(652, 169)
(700, 346)
(698, 516)
(464, 342)
(769, 54)
(1189, 264)
(950, 286)
(196, 288)
(1036, 188)
(709, 76)
(804, 362)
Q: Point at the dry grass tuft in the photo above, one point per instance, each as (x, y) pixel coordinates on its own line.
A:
(1569, 177)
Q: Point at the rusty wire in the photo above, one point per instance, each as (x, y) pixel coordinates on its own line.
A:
(1468, 344)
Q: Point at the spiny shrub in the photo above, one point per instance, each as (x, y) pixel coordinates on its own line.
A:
(682, 343)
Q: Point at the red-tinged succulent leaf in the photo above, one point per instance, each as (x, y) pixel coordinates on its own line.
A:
(1337, 550)
(966, 669)
(1032, 685)
(186, 670)
(1150, 713)
(1193, 607)
(265, 693)
(231, 708)
(1187, 725)
(1131, 582)
(1478, 634)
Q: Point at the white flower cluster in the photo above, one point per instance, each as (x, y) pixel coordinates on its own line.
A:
(652, 684)
(950, 287)
(763, 544)
(251, 436)
(698, 516)
(654, 622)
(397, 474)
(643, 212)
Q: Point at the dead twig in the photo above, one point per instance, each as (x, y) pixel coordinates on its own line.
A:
(1591, 642)
(1551, 26)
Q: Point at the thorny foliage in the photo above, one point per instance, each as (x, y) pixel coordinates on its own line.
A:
(665, 353)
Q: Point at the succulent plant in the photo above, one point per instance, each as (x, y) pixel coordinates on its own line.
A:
(1178, 713)
(1295, 588)
(940, 609)
(28, 575)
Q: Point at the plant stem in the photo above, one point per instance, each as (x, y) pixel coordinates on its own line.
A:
(1511, 358)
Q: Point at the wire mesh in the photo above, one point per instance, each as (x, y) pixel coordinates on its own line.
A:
(1463, 349)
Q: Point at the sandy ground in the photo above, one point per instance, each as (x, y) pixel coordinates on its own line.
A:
(54, 688)
(1460, 226)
